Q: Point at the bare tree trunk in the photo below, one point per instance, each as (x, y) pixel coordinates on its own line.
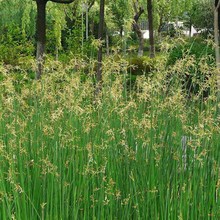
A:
(121, 32)
(41, 36)
(100, 36)
(190, 27)
(41, 32)
(136, 27)
(151, 28)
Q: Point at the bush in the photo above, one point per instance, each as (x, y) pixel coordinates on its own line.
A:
(13, 46)
(192, 62)
(142, 65)
(197, 47)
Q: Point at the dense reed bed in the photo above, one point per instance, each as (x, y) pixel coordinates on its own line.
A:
(146, 152)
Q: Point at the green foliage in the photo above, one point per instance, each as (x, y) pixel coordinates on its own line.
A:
(120, 10)
(202, 15)
(13, 46)
(142, 65)
(197, 47)
(20, 13)
(195, 61)
(73, 39)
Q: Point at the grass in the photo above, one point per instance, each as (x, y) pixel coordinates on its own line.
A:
(67, 155)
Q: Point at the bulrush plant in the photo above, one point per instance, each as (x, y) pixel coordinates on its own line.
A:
(148, 153)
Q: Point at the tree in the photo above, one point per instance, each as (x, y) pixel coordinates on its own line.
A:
(18, 13)
(162, 12)
(151, 28)
(41, 32)
(119, 9)
(138, 12)
(198, 14)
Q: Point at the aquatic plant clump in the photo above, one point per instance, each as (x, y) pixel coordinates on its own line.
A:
(146, 153)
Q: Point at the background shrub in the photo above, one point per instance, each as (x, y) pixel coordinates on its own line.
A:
(197, 47)
(193, 62)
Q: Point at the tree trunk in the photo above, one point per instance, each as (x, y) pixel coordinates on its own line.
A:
(136, 27)
(41, 36)
(121, 32)
(92, 27)
(190, 27)
(41, 32)
(160, 25)
(151, 28)
(137, 30)
(100, 37)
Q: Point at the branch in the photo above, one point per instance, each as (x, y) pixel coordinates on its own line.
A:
(135, 5)
(63, 1)
(217, 5)
(138, 14)
(90, 5)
